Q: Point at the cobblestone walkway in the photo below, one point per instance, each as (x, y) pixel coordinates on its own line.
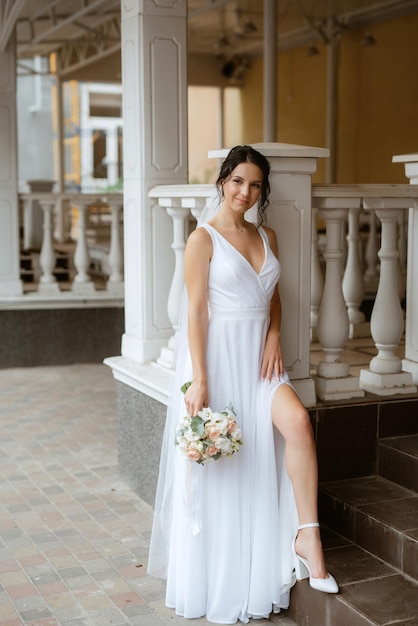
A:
(73, 538)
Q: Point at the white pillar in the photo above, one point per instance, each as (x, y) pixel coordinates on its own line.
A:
(290, 216)
(333, 380)
(61, 231)
(10, 283)
(154, 76)
(331, 100)
(270, 71)
(410, 362)
(385, 376)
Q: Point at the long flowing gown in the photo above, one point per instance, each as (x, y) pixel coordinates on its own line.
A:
(223, 531)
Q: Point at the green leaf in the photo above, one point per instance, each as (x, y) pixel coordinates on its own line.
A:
(185, 387)
(197, 425)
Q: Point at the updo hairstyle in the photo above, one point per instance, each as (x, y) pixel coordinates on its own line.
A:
(247, 154)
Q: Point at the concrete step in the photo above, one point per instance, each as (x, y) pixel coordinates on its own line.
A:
(398, 460)
(372, 593)
(377, 515)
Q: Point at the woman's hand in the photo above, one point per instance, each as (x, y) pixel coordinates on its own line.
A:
(196, 397)
(272, 363)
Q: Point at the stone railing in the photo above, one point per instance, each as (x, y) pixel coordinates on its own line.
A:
(351, 264)
(338, 315)
(83, 232)
(184, 204)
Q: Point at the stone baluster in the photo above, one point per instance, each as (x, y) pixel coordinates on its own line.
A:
(179, 215)
(48, 282)
(403, 240)
(317, 279)
(353, 287)
(333, 380)
(371, 274)
(196, 205)
(82, 282)
(385, 375)
(402, 255)
(115, 282)
(179, 201)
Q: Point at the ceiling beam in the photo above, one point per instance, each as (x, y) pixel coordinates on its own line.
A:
(81, 52)
(209, 6)
(43, 37)
(9, 13)
(88, 60)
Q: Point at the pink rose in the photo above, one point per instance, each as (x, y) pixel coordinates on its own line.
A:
(211, 450)
(213, 433)
(193, 455)
(231, 427)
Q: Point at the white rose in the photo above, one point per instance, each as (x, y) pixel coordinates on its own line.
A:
(224, 445)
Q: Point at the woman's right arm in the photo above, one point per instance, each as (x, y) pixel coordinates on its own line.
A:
(197, 257)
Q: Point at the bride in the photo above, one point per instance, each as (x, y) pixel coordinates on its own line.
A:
(231, 535)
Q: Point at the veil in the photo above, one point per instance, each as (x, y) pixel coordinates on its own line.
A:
(163, 510)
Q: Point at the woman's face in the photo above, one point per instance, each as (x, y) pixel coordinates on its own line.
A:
(243, 187)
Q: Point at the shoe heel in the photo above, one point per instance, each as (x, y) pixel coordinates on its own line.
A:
(300, 570)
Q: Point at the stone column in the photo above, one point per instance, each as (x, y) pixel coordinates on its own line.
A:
(10, 283)
(290, 216)
(154, 77)
(410, 362)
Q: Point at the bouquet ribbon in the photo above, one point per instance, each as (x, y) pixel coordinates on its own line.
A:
(194, 497)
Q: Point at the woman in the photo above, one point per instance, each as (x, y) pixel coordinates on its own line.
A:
(228, 535)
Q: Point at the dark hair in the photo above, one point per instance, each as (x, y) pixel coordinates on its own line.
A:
(247, 154)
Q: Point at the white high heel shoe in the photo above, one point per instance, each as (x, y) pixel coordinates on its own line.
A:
(302, 569)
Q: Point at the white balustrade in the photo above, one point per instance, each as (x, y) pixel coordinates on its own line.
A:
(179, 201)
(82, 282)
(335, 302)
(385, 376)
(317, 279)
(353, 287)
(179, 216)
(64, 232)
(115, 282)
(333, 380)
(48, 282)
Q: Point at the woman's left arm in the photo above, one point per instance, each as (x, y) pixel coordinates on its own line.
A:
(272, 362)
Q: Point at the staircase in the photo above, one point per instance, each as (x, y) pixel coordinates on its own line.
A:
(370, 536)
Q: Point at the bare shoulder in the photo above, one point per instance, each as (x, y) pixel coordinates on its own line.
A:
(199, 241)
(271, 235)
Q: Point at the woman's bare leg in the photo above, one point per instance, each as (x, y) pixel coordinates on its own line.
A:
(292, 420)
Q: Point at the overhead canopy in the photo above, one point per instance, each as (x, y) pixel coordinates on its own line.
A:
(85, 32)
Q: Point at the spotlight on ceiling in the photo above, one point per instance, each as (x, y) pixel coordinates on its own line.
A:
(312, 51)
(249, 27)
(368, 40)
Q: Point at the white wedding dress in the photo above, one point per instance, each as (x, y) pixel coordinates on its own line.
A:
(223, 531)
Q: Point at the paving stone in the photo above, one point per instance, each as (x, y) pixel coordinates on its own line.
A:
(70, 529)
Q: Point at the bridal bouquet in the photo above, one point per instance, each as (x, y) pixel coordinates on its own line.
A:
(209, 435)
